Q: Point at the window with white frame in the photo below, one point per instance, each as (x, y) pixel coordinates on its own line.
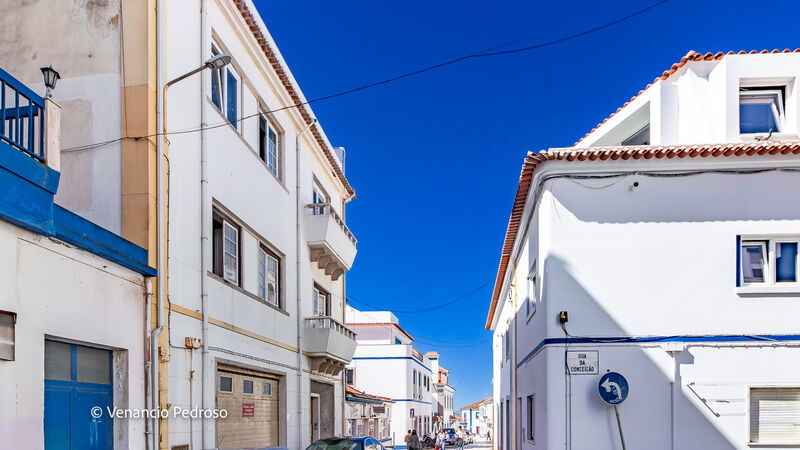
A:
(268, 143)
(532, 293)
(761, 109)
(775, 416)
(225, 251)
(226, 384)
(225, 90)
(320, 301)
(529, 421)
(268, 276)
(266, 389)
(769, 261)
(319, 196)
(248, 387)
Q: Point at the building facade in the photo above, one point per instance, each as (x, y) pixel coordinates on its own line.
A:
(478, 417)
(253, 276)
(366, 414)
(387, 364)
(663, 247)
(444, 395)
(65, 280)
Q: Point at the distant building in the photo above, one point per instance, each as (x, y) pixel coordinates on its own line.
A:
(663, 246)
(387, 364)
(478, 416)
(367, 415)
(445, 395)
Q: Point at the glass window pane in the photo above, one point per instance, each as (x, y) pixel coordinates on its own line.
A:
(786, 261)
(757, 117)
(753, 263)
(94, 365)
(266, 389)
(225, 384)
(232, 110)
(57, 361)
(247, 386)
(261, 274)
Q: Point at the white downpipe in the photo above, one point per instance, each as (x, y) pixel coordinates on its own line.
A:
(204, 219)
(160, 213)
(299, 208)
(148, 286)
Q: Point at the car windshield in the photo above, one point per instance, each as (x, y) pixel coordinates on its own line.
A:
(335, 444)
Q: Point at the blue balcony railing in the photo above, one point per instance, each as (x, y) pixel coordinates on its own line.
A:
(21, 117)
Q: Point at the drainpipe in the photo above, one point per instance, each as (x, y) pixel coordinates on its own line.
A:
(148, 396)
(298, 209)
(160, 214)
(204, 222)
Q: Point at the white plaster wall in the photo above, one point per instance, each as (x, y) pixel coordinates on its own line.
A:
(65, 293)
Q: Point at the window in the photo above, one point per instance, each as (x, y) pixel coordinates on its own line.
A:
(321, 301)
(8, 321)
(266, 389)
(226, 248)
(319, 196)
(247, 387)
(268, 140)
(532, 291)
(268, 276)
(397, 341)
(231, 99)
(641, 137)
(508, 344)
(226, 384)
(217, 80)
(349, 376)
(761, 109)
(530, 418)
(415, 377)
(769, 262)
(774, 415)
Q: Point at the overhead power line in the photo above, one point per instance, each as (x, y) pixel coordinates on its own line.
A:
(420, 310)
(393, 79)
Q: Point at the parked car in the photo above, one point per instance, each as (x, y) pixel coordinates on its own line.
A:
(449, 436)
(347, 443)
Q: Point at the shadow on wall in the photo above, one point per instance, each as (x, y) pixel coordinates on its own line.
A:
(707, 198)
(646, 414)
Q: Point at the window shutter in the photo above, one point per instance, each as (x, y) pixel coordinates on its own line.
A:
(775, 415)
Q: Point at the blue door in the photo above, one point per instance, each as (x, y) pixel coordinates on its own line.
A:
(77, 381)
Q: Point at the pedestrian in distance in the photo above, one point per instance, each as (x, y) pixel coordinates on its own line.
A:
(460, 438)
(440, 440)
(408, 435)
(413, 441)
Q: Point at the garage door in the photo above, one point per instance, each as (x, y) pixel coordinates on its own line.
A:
(251, 400)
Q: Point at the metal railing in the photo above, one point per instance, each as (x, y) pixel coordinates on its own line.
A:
(330, 322)
(416, 354)
(316, 209)
(21, 117)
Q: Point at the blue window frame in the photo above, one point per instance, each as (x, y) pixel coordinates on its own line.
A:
(231, 100)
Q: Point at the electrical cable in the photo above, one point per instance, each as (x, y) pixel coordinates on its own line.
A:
(414, 311)
(395, 78)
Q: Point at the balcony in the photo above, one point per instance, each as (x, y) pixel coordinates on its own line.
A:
(329, 344)
(332, 246)
(22, 118)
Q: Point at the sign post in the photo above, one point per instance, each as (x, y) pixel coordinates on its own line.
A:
(613, 390)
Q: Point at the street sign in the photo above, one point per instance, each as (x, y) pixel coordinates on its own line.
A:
(412, 412)
(248, 410)
(613, 388)
(582, 362)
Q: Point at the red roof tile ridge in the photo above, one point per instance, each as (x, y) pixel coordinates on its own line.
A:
(668, 151)
(690, 56)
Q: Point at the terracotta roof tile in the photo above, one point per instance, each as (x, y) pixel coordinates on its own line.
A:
(383, 324)
(533, 160)
(691, 56)
(353, 391)
(247, 15)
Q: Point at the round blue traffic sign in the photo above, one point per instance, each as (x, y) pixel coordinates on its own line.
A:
(613, 388)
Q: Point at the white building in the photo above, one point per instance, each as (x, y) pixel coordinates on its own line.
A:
(367, 414)
(478, 416)
(668, 238)
(444, 395)
(254, 275)
(74, 303)
(387, 364)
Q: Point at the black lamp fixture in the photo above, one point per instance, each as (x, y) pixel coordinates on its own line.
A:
(50, 78)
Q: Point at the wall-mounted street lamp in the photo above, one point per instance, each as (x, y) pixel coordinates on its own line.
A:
(50, 78)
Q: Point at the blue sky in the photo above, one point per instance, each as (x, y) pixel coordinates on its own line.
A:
(435, 158)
